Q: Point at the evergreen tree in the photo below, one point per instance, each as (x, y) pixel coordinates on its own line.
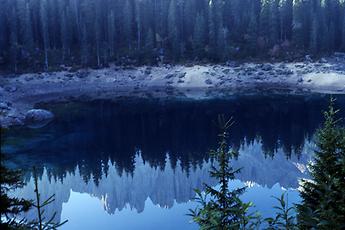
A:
(252, 30)
(45, 30)
(172, 29)
(3, 36)
(199, 35)
(224, 208)
(265, 23)
(111, 33)
(10, 207)
(97, 31)
(343, 28)
(323, 197)
(314, 46)
(127, 24)
(149, 44)
(65, 36)
(212, 31)
(84, 46)
(275, 32)
(13, 38)
(106, 30)
(287, 19)
(26, 27)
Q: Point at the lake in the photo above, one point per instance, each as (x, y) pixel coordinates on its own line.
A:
(133, 164)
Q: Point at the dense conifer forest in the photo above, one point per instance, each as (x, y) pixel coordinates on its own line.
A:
(47, 33)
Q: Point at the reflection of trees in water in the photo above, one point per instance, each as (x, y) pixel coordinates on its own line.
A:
(89, 136)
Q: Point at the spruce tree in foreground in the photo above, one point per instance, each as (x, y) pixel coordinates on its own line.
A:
(11, 208)
(222, 208)
(323, 197)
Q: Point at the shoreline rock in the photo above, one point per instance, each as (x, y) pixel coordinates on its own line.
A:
(21, 92)
(38, 118)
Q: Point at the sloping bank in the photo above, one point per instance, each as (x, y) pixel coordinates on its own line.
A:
(21, 93)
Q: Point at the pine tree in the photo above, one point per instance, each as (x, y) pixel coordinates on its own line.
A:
(10, 206)
(84, 46)
(111, 33)
(199, 35)
(343, 29)
(323, 197)
(212, 31)
(265, 23)
(314, 46)
(231, 28)
(2, 32)
(287, 19)
(127, 23)
(221, 32)
(172, 29)
(275, 32)
(26, 28)
(45, 31)
(138, 23)
(13, 39)
(149, 44)
(65, 35)
(224, 209)
(252, 30)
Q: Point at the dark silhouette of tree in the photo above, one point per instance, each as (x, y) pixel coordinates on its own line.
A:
(323, 197)
(222, 208)
(95, 33)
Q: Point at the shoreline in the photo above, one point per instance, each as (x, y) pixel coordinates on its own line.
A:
(20, 93)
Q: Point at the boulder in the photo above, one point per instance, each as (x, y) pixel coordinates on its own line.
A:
(169, 76)
(82, 74)
(267, 67)
(4, 106)
(226, 71)
(29, 78)
(208, 82)
(148, 70)
(287, 72)
(181, 75)
(11, 89)
(323, 60)
(37, 118)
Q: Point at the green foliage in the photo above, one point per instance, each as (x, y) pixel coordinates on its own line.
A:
(41, 223)
(222, 208)
(323, 197)
(285, 215)
(12, 207)
(94, 33)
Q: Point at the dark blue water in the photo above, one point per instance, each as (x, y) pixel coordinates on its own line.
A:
(134, 164)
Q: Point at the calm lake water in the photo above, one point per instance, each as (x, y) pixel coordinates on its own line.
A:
(134, 164)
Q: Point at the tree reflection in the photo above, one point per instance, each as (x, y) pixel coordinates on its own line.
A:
(88, 135)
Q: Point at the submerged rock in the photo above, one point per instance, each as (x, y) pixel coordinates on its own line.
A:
(37, 118)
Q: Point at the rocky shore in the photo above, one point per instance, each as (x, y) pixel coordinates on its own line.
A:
(20, 93)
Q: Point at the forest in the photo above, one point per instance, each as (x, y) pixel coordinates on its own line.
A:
(44, 34)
